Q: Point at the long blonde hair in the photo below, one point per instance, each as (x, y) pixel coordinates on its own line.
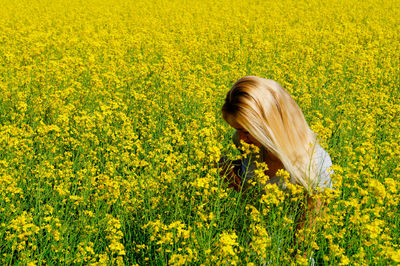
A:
(268, 112)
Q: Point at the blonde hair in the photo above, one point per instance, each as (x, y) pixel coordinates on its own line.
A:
(268, 112)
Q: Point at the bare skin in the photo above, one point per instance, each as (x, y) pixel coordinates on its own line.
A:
(274, 164)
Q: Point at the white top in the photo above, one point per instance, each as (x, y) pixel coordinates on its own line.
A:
(248, 166)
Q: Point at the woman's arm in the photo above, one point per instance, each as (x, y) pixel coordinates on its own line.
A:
(307, 224)
(315, 206)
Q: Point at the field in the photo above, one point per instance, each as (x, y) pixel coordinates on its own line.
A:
(110, 130)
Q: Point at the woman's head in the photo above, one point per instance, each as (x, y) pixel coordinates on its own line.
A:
(271, 118)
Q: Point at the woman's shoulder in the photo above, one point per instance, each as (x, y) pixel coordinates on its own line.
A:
(323, 162)
(322, 156)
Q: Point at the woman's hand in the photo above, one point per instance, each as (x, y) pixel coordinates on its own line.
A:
(228, 174)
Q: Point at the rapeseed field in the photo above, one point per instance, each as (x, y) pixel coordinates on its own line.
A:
(111, 130)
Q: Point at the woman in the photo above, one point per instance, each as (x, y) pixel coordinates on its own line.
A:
(265, 115)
